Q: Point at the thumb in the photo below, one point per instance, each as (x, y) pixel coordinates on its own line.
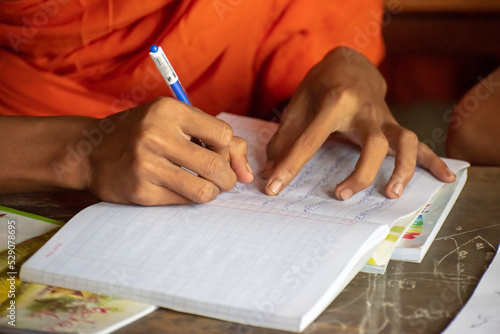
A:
(239, 161)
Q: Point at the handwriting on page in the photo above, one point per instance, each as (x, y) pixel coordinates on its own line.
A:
(312, 190)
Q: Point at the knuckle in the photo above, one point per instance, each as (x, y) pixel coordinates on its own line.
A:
(288, 169)
(240, 143)
(163, 102)
(167, 109)
(363, 180)
(159, 105)
(213, 164)
(138, 166)
(346, 97)
(338, 97)
(224, 132)
(330, 97)
(405, 168)
(348, 94)
(307, 142)
(423, 147)
(424, 154)
(143, 136)
(231, 181)
(139, 195)
(408, 136)
(205, 193)
(379, 141)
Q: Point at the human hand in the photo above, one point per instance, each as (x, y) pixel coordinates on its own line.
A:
(139, 161)
(346, 93)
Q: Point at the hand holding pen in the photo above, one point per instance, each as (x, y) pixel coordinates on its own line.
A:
(140, 151)
(172, 80)
(139, 161)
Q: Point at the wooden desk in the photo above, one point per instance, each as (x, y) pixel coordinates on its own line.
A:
(409, 298)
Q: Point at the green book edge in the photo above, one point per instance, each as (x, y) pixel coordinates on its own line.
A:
(30, 215)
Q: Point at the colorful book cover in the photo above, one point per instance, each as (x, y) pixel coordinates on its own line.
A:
(410, 238)
(377, 264)
(36, 307)
(417, 240)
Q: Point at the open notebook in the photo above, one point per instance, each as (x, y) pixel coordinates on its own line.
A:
(246, 257)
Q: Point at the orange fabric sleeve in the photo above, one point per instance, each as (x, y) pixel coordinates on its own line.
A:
(302, 37)
(90, 57)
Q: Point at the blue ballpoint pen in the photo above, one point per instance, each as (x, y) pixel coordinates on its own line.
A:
(168, 73)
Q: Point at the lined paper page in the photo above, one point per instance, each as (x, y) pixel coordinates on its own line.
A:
(312, 190)
(220, 262)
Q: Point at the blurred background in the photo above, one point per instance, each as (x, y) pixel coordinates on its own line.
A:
(436, 51)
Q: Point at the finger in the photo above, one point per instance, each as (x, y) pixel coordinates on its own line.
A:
(143, 192)
(192, 124)
(405, 144)
(299, 138)
(182, 152)
(155, 181)
(211, 159)
(430, 161)
(213, 132)
(155, 195)
(215, 135)
(239, 161)
(292, 123)
(300, 151)
(208, 164)
(165, 182)
(187, 185)
(373, 152)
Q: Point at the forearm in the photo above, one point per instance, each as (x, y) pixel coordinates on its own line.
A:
(473, 127)
(43, 153)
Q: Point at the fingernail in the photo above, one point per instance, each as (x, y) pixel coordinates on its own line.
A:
(249, 169)
(397, 189)
(346, 194)
(275, 186)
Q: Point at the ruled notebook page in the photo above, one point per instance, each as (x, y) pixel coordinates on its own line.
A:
(258, 266)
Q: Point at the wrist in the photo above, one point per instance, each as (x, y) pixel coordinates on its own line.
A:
(38, 153)
(71, 168)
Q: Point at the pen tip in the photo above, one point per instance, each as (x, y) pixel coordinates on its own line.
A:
(153, 48)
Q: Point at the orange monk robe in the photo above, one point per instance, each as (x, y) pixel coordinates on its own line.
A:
(90, 57)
